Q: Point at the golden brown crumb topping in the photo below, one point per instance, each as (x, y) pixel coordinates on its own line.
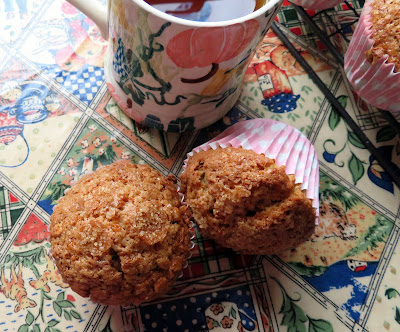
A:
(385, 18)
(243, 201)
(120, 235)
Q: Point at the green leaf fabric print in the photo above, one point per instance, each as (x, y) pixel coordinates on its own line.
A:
(61, 296)
(29, 318)
(232, 312)
(57, 309)
(294, 317)
(354, 140)
(319, 325)
(53, 322)
(216, 324)
(391, 293)
(356, 168)
(107, 328)
(67, 315)
(334, 117)
(23, 328)
(65, 304)
(397, 315)
(386, 133)
(75, 314)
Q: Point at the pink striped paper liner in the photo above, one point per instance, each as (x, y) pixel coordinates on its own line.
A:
(376, 83)
(278, 141)
(317, 4)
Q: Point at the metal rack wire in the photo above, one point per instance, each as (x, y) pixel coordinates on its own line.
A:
(326, 40)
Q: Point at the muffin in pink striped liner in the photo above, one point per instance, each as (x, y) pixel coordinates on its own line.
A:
(377, 82)
(254, 188)
(317, 4)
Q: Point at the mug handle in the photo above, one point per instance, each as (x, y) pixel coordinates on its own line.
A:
(97, 13)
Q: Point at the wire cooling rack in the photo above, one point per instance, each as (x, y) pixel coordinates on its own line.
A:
(340, 30)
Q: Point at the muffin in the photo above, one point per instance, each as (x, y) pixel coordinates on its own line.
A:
(372, 61)
(120, 235)
(244, 201)
(385, 19)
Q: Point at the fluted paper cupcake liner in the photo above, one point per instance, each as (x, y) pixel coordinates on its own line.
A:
(278, 141)
(317, 4)
(376, 83)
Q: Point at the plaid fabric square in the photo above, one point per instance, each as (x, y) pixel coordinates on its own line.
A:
(208, 257)
(10, 210)
(368, 117)
(338, 23)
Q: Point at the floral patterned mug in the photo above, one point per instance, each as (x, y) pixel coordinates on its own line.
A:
(171, 73)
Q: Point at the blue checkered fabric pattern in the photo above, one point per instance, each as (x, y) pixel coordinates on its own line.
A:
(84, 83)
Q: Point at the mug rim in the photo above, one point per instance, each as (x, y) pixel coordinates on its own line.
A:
(267, 6)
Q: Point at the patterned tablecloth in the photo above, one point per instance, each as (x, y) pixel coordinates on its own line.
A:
(346, 278)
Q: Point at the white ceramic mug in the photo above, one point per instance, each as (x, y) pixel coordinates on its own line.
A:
(171, 73)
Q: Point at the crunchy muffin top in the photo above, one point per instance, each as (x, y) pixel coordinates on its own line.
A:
(120, 235)
(385, 18)
(239, 181)
(244, 201)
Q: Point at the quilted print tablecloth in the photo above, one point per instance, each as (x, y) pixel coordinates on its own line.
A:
(346, 278)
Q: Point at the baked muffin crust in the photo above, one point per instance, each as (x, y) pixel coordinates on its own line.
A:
(385, 18)
(243, 201)
(121, 235)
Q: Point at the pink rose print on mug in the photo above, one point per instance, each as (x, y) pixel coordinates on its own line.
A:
(227, 43)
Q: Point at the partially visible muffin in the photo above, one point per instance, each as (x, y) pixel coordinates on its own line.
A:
(244, 201)
(372, 60)
(121, 235)
(385, 18)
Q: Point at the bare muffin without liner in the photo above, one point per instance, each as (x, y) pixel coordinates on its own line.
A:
(243, 201)
(120, 235)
